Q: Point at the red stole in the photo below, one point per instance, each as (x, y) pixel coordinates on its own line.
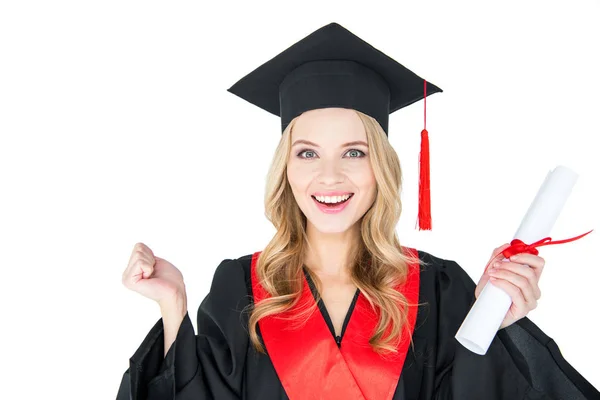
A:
(308, 361)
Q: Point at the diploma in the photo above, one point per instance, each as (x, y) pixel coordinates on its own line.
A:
(487, 313)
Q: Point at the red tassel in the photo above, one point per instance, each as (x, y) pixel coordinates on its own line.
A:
(424, 184)
(424, 188)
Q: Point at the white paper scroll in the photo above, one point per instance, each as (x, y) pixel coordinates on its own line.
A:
(485, 317)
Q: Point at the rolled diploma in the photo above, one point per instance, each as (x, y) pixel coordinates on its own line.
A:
(487, 313)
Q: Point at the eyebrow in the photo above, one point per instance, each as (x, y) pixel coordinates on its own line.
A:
(302, 141)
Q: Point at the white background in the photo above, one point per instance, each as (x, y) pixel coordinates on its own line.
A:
(116, 127)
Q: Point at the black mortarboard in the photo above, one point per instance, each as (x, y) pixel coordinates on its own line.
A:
(332, 67)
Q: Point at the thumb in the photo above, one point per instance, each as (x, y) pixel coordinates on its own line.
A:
(147, 271)
(485, 277)
(496, 256)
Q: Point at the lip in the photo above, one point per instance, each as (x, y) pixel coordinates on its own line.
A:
(331, 210)
(338, 193)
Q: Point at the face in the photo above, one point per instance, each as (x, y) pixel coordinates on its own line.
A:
(325, 165)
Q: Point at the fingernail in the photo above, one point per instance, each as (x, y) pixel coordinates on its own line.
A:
(497, 264)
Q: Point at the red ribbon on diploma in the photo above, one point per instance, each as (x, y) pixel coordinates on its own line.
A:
(517, 246)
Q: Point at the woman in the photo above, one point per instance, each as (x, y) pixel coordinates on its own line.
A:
(334, 307)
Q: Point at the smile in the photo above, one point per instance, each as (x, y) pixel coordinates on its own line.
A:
(332, 208)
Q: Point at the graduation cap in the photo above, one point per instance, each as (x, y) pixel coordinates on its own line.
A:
(332, 67)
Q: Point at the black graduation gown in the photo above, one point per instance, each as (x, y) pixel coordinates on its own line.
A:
(219, 363)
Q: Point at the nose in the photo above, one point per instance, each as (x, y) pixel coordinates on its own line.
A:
(330, 173)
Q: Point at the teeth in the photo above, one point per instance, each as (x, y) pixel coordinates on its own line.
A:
(332, 199)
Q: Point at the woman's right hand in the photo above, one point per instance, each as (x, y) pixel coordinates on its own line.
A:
(153, 277)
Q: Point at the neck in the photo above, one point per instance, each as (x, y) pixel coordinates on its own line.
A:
(328, 253)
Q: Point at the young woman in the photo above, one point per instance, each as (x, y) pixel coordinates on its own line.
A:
(334, 307)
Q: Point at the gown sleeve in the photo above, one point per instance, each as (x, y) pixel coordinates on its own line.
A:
(522, 362)
(205, 366)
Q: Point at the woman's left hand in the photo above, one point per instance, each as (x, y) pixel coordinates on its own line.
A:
(519, 278)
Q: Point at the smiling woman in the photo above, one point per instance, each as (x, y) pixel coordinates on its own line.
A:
(334, 307)
(335, 246)
(332, 171)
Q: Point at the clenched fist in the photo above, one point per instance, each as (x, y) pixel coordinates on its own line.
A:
(152, 276)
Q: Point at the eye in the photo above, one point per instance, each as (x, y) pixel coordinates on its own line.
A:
(359, 153)
(356, 151)
(305, 151)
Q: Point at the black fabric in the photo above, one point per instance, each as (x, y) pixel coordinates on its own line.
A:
(332, 67)
(522, 362)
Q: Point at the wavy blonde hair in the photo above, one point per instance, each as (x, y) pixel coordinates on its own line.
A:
(378, 263)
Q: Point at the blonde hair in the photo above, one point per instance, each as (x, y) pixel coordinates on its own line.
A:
(378, 262)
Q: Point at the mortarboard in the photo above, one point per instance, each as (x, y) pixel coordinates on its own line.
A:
(332, 67)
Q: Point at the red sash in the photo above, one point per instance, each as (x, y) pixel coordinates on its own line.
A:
(308, 361)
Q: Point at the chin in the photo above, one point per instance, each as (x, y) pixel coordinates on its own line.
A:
(331, 229)
(331, 226)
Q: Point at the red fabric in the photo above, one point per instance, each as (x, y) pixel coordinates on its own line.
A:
(308, 361)
(517, 246)
(424, 178)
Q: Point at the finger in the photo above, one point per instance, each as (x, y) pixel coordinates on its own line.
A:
(485, 277)
(139, 250)
(147, 257)
(139, 246)
(140, 269)
(143, 249)
(496, 255)
(136, 271)
(519, 281)
(527, 272)
(535, 262)
(147, 269)
(519, 305)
